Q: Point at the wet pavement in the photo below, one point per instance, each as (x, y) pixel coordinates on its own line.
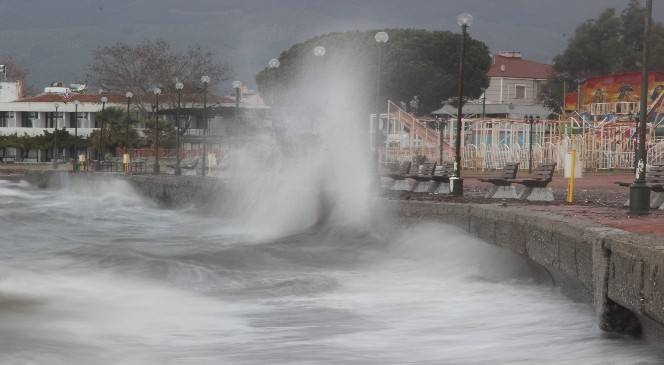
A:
(596, 198)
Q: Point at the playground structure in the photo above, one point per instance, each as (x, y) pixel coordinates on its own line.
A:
(602, 141)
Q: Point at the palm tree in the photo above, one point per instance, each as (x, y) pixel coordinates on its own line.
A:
(115, 129)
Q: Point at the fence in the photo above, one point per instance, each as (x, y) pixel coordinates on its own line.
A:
(489, 143)
(168, 153)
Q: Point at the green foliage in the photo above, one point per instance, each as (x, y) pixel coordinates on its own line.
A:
(115, 129)
(609, 44)
(45, 141)
(414, 63)
(166, 133)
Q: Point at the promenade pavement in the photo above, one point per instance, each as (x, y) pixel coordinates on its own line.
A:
(596, 198)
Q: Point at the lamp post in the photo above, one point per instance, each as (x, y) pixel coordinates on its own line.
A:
(76, 160)
(319, 52)
(205, 80)
(639, 191)
(529, 120)
(456, 182)
(414, 105)
(127, 157)
(579, 81)
(101, 132)
(178, 171)
(484, 103)
(55, 135)
(157, 91)
(381, 38)
(635, 119)
(237, 85)
(274, 64)
(441, 132)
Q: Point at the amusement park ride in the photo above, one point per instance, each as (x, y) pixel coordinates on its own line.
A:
(600, 123)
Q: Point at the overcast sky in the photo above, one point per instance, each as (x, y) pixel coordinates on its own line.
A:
(54, 38)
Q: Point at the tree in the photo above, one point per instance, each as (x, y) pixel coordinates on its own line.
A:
(606, 45)
(13, 69)
(120, 68)
(166, 133)
(23, 143)
(66, 140)
(115, 128)
(415, 63)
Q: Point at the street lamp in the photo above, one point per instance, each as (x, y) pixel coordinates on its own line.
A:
(237, 85)
(274, 64)
(381, 38)
(127, 157)
(76, 160)
(101, 131)
(636, 119)
(178, 171)
(441, 132)
(157, 91)
(205, 80)
(530, 121)
(319, 52)
(484, 103)
(456, 182)
(414, 105)
(639, 191)
(579, 81)
(55, 135)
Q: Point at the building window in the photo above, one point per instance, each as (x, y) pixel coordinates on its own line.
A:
(28, 118)
(52, 117)
(519, 91)
(4, 119)
(76, 119)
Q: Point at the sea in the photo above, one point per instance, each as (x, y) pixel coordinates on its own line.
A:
(94, 273)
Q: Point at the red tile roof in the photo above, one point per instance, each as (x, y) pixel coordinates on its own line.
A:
(121, 98)
(83, 98)
(519, 68)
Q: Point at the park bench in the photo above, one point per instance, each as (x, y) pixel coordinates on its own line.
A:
(536, 188)
(171, 167)
(655, 180)
(137, 165)
(501, 187)
(109, 165)
(423, 180)
(441, 178)
(81, 166)
(8, 159)
(398, 178)
(188, 167)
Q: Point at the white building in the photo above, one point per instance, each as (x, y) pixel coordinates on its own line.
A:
(77, 112)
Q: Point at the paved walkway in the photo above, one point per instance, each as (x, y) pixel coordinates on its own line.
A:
(612, 215)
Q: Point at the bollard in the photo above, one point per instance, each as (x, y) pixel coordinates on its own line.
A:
(570, 187)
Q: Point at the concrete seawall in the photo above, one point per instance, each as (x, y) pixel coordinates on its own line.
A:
(166, 190)
(618, 273)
